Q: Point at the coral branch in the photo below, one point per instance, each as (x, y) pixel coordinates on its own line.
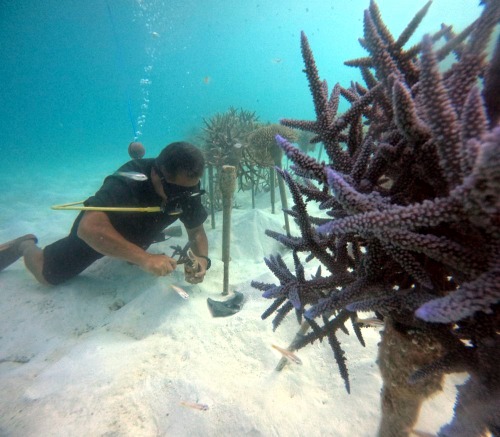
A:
(411, 226)
(478, 295)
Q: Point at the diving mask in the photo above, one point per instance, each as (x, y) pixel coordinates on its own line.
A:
(178, 196)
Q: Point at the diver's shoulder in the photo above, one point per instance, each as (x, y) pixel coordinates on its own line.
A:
(137, 165)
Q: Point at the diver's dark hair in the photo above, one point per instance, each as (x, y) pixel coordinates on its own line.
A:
(181, 157)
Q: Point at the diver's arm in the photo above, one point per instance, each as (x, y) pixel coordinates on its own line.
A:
(199, 245)
(199, 240)
(97, 231)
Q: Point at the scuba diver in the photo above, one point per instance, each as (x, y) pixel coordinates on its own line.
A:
(128, 213)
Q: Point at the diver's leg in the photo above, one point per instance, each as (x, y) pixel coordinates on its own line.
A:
(55, 264)
(62, 260)
(33, 259)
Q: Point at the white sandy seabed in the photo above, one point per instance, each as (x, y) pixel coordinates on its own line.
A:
(115, 352)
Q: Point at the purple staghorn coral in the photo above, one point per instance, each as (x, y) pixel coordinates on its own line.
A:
(412, 192)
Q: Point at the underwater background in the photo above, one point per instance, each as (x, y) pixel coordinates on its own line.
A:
(79, 79)
(116, 351)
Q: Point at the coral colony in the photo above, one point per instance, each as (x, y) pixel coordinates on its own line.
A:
(412, 195)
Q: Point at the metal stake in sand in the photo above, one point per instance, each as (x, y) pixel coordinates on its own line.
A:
(272, 188)
(227, 187)
(212, 194)
(277, 155)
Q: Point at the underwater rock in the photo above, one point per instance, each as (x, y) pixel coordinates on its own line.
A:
(226, 307)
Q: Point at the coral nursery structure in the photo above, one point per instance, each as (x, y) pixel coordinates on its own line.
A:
(262, 152)
(262, 148)
(236, 138)
(223, 139)
(411, 195)
(224, 135)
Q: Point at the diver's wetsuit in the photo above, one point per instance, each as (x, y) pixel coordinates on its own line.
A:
(69, 256)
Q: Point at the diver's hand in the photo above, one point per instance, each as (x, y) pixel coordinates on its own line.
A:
(195, 274)
(159, 265)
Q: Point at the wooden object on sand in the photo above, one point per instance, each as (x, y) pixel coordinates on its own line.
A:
(227, 187)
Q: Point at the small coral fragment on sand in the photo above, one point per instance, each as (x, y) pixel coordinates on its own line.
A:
(182, 293)
(194, 405)
(288, 354)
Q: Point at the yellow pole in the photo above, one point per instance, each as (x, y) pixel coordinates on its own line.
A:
(72, 207)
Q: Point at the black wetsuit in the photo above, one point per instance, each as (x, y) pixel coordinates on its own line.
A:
(69, 256)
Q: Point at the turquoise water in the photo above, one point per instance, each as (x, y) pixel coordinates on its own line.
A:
(80, 80)
(75, 75)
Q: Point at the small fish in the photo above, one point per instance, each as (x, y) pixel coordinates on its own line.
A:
(194, 405)
(182, 293)
(276, 60)
(288, 354)
(132, 175)
(370, 321)
(155, 34)
(207, 80)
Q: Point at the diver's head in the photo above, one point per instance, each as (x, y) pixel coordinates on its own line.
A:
(181, 158)
(178, 170)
